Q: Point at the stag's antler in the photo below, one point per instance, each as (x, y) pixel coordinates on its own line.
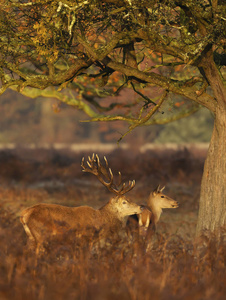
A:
(104, 173)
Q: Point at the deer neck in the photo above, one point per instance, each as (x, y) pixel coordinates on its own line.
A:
(154, 208)
(111, 212)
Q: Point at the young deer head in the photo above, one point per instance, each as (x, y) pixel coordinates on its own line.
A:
(157, 201)
(44, 220)
(151, 213)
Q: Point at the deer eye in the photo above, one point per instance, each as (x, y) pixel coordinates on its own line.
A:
(162, 197)
(124, 202)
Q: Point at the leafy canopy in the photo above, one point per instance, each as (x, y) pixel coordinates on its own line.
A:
(87, 50)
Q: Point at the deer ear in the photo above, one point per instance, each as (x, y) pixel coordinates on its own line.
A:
(162, 189)
(156, 190)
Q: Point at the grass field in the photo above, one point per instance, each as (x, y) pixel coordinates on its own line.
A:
(174, 266)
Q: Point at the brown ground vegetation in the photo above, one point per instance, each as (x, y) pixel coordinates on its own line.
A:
(174, 266)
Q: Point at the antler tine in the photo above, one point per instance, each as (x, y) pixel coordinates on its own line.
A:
(106, 162)
(120, 178)
(82, 164)
(98, 161)
(125, 189)
(111, 175)
(89, 164)
(91, 160)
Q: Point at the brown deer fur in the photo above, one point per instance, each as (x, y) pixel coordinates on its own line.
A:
(42, 221)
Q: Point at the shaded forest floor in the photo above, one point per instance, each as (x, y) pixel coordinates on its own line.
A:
(174, 268)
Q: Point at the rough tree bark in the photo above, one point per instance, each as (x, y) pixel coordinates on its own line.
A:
(212, 210)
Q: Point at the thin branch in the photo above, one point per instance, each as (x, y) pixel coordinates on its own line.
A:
(183, 114)
(142, 121)
(147, 100)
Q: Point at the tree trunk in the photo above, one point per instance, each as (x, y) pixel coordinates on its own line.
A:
(212, 210)
(212, 205)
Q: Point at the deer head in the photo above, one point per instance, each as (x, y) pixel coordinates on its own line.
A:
(160, 200)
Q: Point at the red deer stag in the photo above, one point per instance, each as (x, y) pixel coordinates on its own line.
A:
(42, 221)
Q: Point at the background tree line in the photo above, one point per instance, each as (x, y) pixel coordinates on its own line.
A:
(24, 122)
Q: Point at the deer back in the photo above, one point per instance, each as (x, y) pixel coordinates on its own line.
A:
(55, 218)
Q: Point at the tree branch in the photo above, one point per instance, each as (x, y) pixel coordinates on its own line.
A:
(166, 83)
(52, 93)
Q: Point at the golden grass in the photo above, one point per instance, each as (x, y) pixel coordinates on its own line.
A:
(171, 266)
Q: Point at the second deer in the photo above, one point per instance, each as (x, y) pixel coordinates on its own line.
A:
(151, 213)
